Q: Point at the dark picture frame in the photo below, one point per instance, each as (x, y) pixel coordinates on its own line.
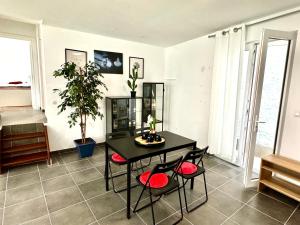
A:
(109, 62)
(79, 57)
(141, 62)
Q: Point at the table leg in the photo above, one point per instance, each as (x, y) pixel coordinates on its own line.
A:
(106, 168)
(193, 161)
(165, 157)
(128, 188)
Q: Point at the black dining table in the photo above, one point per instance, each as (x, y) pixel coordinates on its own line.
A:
(133, 152)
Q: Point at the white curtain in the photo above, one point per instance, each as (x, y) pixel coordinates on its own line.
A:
(224, 95)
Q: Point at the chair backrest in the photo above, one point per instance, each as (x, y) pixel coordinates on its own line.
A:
(195, 155)
(116, 135)
(167, 166)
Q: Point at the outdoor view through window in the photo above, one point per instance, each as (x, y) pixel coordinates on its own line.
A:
(15, 62)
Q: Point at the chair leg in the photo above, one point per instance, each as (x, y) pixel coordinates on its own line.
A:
(184, 193)
(138, 201)
(152, 209)
(178, 189)
(112, 180)
(197, 206)
(206, 195)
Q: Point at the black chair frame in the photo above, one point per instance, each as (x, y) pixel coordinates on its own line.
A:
(194, 155)
(173, 184)
(120, 134)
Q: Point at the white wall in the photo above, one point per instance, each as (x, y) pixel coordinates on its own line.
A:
(55, 41)
(189, 67)
(21, 97)
(291, 134)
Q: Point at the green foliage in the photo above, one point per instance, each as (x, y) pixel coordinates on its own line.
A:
(81, 94)
(134, 76)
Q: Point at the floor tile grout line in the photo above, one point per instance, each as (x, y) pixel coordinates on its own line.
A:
(244, 204)
(23, 173)
(3, 213)
(28, 200)
(263, 213)
(44, 195)
(131, 208)
(61, 208)
(229, 195)
(247, 204)
(29, 221)
(229, 218)
(292, 213)
(111, 214)
(83, 197)
(176, 211)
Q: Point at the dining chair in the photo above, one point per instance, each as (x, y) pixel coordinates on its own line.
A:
(117, 159)
(159, 182)
(188, 170)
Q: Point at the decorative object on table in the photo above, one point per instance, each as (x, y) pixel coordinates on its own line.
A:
(81, 95)
(109, 62)
(152, 124)
(123, 113)
(153, 103)
(133, 76)
(139, 61)
(76, 56)
(151, 140)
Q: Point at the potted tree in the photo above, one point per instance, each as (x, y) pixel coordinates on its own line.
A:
(81, 95)
(134, 76)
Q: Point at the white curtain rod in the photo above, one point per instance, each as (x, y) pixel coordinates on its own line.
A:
(266, 18)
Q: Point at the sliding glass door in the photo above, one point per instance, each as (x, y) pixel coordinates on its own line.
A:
(268, 98)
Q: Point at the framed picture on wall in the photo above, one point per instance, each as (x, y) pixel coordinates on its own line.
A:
(140, 63)
(109, 62)
(76, 56)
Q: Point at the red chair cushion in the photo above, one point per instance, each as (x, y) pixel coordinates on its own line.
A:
(187, 168)
(117, 158)
(158, 180)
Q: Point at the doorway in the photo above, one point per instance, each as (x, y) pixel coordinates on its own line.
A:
(267, 97)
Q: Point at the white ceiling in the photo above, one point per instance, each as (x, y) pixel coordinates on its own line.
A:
(157, 22)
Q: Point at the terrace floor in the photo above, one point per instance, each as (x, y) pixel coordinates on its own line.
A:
(72, 191)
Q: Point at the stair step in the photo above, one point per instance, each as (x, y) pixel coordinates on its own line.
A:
(23, 136)
(25, 159)
(24, 148)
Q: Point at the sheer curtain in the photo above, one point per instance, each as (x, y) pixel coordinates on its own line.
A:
(224, 95)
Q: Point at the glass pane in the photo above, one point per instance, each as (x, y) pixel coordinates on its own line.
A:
(270, 100)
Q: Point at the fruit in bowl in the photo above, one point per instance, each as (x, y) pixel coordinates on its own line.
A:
(145, 135)
(150, 138)
(157, 138)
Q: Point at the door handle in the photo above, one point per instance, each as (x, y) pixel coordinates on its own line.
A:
(258, 122)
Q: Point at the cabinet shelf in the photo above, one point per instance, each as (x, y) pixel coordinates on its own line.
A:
(284, 187)
(273, 165)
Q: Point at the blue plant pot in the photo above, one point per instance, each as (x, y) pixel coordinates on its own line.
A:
(87, 149)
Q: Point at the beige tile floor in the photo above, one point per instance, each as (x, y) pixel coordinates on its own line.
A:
(72, 191)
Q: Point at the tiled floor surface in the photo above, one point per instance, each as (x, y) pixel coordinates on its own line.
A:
(72, 192)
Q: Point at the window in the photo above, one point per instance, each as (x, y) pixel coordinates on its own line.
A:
(15, 63)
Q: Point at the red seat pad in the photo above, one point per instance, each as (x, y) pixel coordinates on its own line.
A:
(117, 158)
(158, 180)
(187, 168)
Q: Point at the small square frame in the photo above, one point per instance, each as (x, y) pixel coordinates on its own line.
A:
(141, 70)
